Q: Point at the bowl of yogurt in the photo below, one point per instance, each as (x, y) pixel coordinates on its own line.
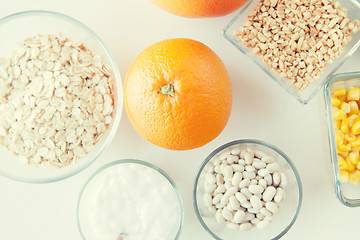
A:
(130, 200)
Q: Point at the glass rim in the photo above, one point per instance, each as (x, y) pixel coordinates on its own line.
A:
(116, 81)
(332, 139)
(140, 162)
(256, 142)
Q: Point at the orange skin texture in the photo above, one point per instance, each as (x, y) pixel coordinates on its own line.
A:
(201, 105)
(199, 8)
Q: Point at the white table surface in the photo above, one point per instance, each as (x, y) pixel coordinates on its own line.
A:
(261, 110)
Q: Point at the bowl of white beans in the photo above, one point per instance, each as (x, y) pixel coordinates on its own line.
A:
(247, 189)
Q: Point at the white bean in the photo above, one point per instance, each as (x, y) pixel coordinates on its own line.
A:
(217, 169)
(212, 209)
(256, 202)
(219, 217)
(228, 184)
(209, 188)
(246, 226)
(242, 154)
(238, 167)
(253, 210)
(226, 214)
(272, 207)
(272, 167)
(231, 191)
(255, 221)
(246, 192)
(207, 199)
(260, 216)
(263, 172)
(210, 178)
(220, 189)
(236, 179)
(224, 199)
(249, 168)
(269, 193)
(249, 216)
(249, 158)
(246, 205)
(276, 178)
(256, 189)
(253, 182)
(251, 151)
(232, 225)
(232, 159)
(227, 171)
(219, 179)
(248, 175)
(229, 207)
(263, 183)
(217, 198)
(220, 205)
(259, 154)
(235, 151)
(235, 204)
(283, 181)
(258, 164)
(239, 216)
(262, 224)
(279, 196)
(267, 159)
(268, 179)
(244, 183)
(241, 197)
(224, 154)
(242, 162)
(265, 212)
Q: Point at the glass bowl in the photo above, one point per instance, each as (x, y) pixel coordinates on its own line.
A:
(347, 193)
(305, 95)
(130, 199)
(16, 28)
(281, 222)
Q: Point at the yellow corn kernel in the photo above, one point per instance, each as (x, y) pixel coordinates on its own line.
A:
(352, 118)
(344, 128)
(345, 106)
(335, 102)
(357, 173)
(355, 144)
(344, 176)
(354, 157)
(349, 137)
(355, 128)
(358, 166)
(353, 94)
(353, 179)
(354, 107)
(337, 124)
(339, 92)
(350, 166)
(342, 163)
(339, 114)
(343, 154)
(344, 147)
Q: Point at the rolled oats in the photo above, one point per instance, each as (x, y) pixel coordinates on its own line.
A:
(50, 91)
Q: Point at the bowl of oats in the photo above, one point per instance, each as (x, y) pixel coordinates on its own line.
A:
(299, 44)
(60, 96)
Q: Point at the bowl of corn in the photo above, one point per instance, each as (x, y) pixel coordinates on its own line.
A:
(342, 102)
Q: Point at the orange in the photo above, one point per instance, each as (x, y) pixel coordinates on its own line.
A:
(199, 8)
(177, 94)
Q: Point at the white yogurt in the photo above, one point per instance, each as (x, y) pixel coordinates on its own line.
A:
(133, 199)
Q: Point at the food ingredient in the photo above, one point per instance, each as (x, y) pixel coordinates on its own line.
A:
(244, 188)
(132, 199)
(199, 8)
(297, 39)
(56, 100)
(177, 94)
(346, 115)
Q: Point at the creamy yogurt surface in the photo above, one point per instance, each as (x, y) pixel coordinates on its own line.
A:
(130, 198)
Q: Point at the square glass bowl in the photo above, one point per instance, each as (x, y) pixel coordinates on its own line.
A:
(305, 95)
(347, 193)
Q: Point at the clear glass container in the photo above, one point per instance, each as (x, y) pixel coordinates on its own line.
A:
(289, 208)
(93, 207)
(305, 95)
(16, 28)
(347, 193)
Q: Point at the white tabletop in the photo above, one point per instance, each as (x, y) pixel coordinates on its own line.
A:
(261, 110)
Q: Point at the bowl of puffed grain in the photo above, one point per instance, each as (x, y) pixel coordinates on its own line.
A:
(299, 44)
(60, 96)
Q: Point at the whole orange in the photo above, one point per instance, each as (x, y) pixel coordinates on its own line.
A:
(199, 8)
(177, 94)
